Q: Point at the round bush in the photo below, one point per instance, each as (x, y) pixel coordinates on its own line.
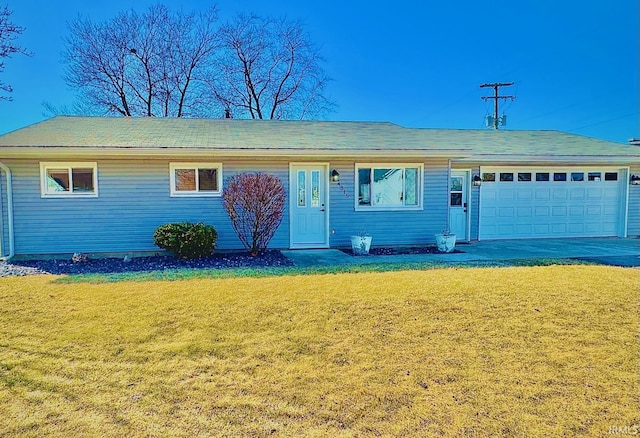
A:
(186, 240)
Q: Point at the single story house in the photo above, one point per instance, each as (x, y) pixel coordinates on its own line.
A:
(103, 184)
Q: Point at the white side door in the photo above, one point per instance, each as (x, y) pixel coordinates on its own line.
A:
(458, 210)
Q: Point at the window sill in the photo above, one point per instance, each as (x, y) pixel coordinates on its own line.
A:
(416, 208)
(196, 195)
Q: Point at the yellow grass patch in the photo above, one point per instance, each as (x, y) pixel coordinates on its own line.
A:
(523, 351)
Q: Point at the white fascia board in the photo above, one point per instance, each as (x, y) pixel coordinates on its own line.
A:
(550, 159)
(83, 152)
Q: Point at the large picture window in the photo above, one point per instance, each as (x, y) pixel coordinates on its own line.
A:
(390, 186)
(196, 179)
(60, 180)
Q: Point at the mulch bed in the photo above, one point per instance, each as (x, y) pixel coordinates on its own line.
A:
(402, 250)
(138, 264)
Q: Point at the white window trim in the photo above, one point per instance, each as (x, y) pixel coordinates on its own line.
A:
(44, 193)
(194, 193)
(356, 186)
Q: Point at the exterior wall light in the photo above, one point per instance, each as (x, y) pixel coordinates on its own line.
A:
(335, 176)
(477, 181)
(634, 180)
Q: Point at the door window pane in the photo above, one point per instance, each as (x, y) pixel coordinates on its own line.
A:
(611, 176)
(560, 176)
(524, 176)
(456, 199)
(302, 188)
(489, 177)
(577, 176)
(506, 177)
(594, 176)
(315, 188)
(542, 176)
(456, 184)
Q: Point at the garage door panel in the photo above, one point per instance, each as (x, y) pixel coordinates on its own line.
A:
(541, 229)
(577, 194)
(543, 194)
(559, 211)
(594, 193)
(506, 194)
(525, 194)
(523, 212)
(559, 194)
(530, 208)
(576, 210)
(541, 211)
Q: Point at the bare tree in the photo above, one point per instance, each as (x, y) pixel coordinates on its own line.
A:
(8, 34)
(270, 69)
(150, 64)
(255, 205)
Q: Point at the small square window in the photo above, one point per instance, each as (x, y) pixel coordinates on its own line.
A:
(506, 177)
(560, 176)
(542, 176)
(577, 176)
(524, 176)
(489, 177)
(594, 176)
(195, 179)
(611, 176)
(68, 180)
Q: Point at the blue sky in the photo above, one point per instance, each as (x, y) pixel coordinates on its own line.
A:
(417, 64)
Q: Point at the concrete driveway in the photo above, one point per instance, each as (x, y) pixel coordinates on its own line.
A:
(604, 250)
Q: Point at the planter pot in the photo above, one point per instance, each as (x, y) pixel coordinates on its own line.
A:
(360, 244)
(446, 243)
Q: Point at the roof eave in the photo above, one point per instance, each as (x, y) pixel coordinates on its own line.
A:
(560, 159)
(51, 152)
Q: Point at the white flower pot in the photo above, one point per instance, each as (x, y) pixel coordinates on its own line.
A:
(445, 243)
(360, 244)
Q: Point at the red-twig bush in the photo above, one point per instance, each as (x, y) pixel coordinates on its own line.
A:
(255, 204)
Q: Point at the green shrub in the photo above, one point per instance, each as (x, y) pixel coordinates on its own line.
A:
(186, 240)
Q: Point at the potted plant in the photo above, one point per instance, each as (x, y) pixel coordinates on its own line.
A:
(361, 243)
(446, 240)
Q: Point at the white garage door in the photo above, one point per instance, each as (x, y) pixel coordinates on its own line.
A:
(518, 202)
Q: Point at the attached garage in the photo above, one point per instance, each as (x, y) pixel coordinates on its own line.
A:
(545, 202)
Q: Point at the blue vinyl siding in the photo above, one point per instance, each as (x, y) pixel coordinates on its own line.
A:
(633, 218)
(389, 227)
(134, 199)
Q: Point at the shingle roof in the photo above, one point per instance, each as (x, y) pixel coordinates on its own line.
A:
(131, 134)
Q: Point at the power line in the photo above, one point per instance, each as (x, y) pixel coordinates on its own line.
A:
(496, 97)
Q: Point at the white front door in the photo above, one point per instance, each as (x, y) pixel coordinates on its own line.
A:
(458, 205)
(308, 206)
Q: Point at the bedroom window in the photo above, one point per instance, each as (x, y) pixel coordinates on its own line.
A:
(62, 180)
(388, 187)
(195, 179)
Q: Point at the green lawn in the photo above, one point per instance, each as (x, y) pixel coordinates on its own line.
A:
(520, 351)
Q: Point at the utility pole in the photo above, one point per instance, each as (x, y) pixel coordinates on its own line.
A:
(495, 97)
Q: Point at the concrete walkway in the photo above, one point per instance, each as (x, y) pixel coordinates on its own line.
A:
(604, 250)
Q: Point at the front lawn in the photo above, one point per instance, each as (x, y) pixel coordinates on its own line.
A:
(520, 351)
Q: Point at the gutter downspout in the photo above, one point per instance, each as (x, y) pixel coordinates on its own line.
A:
(9, 214)
(449, 194)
